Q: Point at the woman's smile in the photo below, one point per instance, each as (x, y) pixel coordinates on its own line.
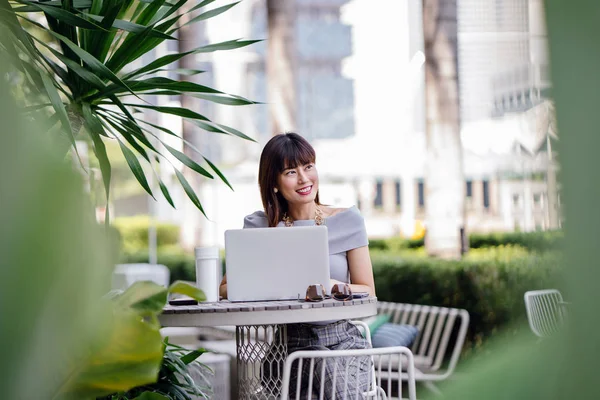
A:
(305, 191)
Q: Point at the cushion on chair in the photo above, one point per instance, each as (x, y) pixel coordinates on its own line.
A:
(376, 321)
(389, 335)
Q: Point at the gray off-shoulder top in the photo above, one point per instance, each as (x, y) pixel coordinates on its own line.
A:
(346, 231)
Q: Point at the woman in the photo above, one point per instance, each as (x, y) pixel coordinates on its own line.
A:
(289, 188)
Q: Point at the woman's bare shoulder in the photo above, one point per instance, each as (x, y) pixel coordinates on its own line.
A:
(331, 211)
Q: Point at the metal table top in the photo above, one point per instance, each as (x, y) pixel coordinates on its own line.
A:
(226, 313)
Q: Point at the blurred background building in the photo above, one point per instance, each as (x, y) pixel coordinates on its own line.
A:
(360, 101)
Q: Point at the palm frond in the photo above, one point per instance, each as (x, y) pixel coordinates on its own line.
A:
(82, 57)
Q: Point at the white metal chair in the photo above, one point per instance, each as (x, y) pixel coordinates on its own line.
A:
(545, 311)
(327, 367)
(126, 275)
(435, 338)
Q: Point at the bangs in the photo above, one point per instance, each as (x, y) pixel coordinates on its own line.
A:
(295, 153)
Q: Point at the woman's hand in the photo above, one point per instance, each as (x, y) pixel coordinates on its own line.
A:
(223, 287)
(361, 270)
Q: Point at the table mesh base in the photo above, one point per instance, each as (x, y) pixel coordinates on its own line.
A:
(261, 355)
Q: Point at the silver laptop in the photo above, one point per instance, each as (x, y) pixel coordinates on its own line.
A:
(275, 263)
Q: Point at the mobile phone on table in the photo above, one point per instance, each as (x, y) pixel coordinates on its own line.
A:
(183, 301)
(359, 295)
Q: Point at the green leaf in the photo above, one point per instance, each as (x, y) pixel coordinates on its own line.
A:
(181, 112)
(235, 132)
(136, 44)
(136, 168)
(188, 162)
(60, 109)
(130, 356)
(65, 16)
(132, 27)
(211, 13)
(187, 289)
(99, 43)
(58, 106)
(151, 396)
(170, 58)
(166, 193)
(152, 304)
(95, 130)
(131, 126)
(83, 73)
(192, 356)
(213, 127)
(214, 168)
(229, 100)
(227, 45)
(92, 62)
(127, 134)
(154, 84)
(189, 191)
(77, 4)
(201, 4)
(160, 62)
(141, 291)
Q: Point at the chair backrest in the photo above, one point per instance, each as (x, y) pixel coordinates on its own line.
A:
(340, 374)
(126, 275)
(363, 328)
(435, 326)
(545, 311)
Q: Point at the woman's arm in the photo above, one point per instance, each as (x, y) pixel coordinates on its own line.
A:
(223, 287)
(361, 270)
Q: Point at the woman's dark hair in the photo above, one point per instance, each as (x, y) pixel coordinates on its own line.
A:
(287, 150)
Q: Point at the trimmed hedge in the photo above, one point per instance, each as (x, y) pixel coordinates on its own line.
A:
(490, 287)
(534, 241)
(489, 283)
(134, 233)
(181, 265)
(395, 244)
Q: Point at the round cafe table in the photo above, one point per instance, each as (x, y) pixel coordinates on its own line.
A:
(256, 324)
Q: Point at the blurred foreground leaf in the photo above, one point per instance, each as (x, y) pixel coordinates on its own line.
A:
(565, 366)
(58, 336)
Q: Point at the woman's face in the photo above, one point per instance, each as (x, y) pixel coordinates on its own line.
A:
(299, 185)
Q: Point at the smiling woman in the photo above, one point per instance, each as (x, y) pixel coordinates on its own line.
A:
(288, 179)
(289, 188)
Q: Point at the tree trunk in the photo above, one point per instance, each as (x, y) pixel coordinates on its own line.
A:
(444, 182)
(189, 38)
(281, 65)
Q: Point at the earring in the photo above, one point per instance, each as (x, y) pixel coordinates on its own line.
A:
(276, 190)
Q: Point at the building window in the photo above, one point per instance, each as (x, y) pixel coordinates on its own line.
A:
(469, 187)
(516, 200)
(537, 199)
(421, 193)
(378, 202)
(398, 193)
(486, 194)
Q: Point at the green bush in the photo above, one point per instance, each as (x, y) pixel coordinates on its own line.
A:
(490, 286)
(134, 233)
(182, 265)
(534, 241)
(395, 244)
